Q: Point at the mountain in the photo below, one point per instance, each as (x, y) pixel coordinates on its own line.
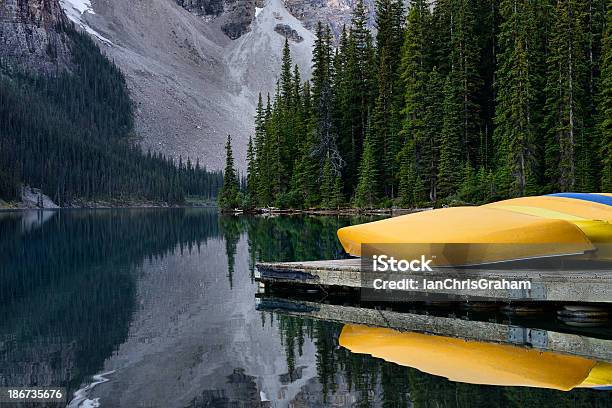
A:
(66, 120)
(194, 67)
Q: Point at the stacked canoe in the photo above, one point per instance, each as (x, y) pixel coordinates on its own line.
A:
(565, 224)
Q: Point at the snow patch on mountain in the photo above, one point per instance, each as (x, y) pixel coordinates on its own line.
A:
(82, 6)
(75, 10)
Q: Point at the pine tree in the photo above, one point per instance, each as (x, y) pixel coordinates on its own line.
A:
(321, 59)
(419, 195)
(591, 177)
(267, 179)
(415, 65)
(251, 198)
(261, 157)
(306, 167)
(273, 147)
(286, 80)
(336, 197)
(327, 184)
(297, 88)
(441, 24)
(286, 132)
(516, 134)
(465, 59)
(326, 139)
(229, 194)
(389, 34)
(605, 107)
(306, 174)
(298, 127)
(449, 175)
(365, 193)
(566, 139)
(386, 111)
(342, 115)
(406, 178)
(457, 48)
(359, 71)
(386, 140)
(433, 119)
(487, 33)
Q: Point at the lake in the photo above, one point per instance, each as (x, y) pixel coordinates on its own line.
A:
(157, 308)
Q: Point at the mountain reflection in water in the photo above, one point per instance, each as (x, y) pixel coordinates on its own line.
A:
(163, 300)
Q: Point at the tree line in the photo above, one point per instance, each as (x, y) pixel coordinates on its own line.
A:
(452, 101)
(71, 135)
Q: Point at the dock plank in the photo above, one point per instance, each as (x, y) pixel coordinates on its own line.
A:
(545, 340)
(593, 286)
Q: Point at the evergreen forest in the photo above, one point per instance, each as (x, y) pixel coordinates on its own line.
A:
(72, 135)
(444, 103)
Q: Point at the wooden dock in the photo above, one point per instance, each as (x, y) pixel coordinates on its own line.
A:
(593, 286)
(484, 331)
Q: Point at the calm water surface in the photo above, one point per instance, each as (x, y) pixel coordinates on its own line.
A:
(156, 308)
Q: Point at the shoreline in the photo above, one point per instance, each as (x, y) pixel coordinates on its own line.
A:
(34, 199)
(262, 212)
(103, 207)
(343, 211)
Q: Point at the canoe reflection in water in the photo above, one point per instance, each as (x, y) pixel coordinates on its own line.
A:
(478, 362)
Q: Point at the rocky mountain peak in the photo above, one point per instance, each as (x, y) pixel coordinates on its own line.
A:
(334, 13)
(43, 13)
(32, 35)
(236, 15)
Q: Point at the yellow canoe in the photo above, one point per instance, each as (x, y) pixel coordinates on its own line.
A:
(524, 236)
(477, 362)
(594, 219)
(519, 222)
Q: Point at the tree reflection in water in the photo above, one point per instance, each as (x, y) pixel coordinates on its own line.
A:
(68, 284)
(375, 381)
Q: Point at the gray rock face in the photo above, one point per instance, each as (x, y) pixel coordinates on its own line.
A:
(203, 7)
(288, 32)
(236, 15)
(32, 35)
(240, 14)
(336, 13)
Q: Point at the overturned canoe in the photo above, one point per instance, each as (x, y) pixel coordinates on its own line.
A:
(477, 362)
(557, 207)
(593, 218)
(558, 225)
(511, 236)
